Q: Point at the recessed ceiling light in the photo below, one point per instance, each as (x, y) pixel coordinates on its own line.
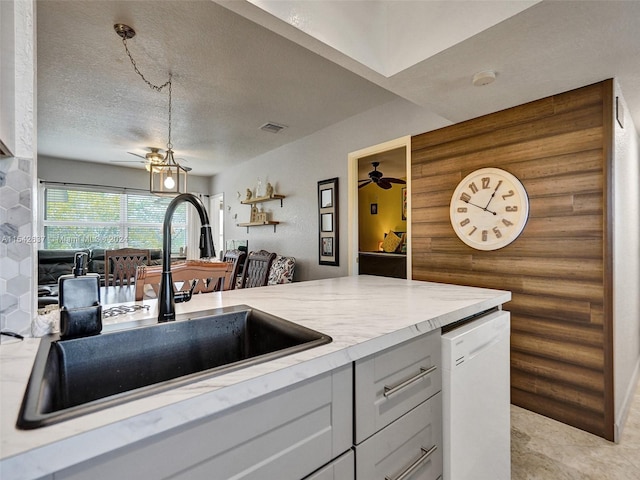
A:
(484, 78)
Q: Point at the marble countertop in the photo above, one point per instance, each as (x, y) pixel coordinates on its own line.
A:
(362, 314)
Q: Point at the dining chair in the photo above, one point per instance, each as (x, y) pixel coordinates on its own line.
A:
(256, 269)
(236, 258)
(204, 276)
(120, 265)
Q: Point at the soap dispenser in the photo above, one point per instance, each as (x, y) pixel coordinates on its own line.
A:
(79, 301)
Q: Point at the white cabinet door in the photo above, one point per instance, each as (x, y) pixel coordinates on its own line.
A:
(342, 468)
(285, 435)
(392, 382)
(409, 448)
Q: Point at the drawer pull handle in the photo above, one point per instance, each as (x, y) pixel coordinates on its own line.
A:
(411, 468)
(388, 391)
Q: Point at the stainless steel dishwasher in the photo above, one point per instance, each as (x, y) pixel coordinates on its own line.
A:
(476, 399)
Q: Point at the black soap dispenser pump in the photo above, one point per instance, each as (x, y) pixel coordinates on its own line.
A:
(79, 301)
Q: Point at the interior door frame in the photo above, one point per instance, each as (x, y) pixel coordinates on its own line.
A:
(352, 198)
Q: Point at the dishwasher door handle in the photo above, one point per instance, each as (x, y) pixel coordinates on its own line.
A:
(388, 391)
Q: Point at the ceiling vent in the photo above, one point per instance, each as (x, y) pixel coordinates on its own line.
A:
(272, 127)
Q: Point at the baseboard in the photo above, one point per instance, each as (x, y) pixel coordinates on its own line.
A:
(621, 418)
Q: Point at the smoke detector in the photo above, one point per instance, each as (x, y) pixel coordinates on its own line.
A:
(484, 78)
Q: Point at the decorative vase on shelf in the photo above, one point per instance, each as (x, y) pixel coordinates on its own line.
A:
(259, 192)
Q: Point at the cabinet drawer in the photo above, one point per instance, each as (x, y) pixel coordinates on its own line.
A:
(411, 445)
(392, 382)
(342, 468)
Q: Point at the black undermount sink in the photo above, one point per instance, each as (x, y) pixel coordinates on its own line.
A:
(73, 377)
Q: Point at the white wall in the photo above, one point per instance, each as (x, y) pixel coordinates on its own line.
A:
(63, 170)
(626, 263)
(295, 170)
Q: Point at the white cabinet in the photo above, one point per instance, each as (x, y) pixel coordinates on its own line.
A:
(398, 412)
(285, 435)
(389, 427)
(410, 447)
(342, 468)
(392, 382)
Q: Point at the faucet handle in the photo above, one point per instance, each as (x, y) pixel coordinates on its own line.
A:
(185, 296)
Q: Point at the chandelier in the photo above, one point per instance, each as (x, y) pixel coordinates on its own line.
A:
(167, 177)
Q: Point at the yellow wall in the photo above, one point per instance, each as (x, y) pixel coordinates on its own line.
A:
(373, 227)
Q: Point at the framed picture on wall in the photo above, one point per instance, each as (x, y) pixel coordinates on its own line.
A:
(328, 222)
(326, 246)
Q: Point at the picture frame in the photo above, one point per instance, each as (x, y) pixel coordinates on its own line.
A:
(326, 246)
(374, 208)
(326, 198)
(328, 240)
(326, 222)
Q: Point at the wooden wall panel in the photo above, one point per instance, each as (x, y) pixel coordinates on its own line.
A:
(556, 269)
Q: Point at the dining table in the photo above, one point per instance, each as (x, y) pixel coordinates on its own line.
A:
(117, 294)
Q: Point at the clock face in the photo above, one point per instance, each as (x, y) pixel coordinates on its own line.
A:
(489, 209)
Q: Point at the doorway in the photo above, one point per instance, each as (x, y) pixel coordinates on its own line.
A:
(375, 212)
(216, 218)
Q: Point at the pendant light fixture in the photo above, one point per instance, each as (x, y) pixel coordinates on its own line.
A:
(169, 177)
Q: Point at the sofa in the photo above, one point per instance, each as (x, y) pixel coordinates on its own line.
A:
(53, 263)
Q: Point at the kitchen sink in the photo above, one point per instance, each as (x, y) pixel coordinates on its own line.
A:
(73, 377)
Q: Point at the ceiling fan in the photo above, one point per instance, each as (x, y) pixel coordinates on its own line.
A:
(379, 179)
(153, 157)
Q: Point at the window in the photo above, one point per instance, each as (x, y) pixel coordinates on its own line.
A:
(94, 219)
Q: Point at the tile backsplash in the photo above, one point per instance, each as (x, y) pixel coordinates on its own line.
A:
(17, 239)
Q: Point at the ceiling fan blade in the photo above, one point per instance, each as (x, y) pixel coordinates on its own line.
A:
(394, 180)
(366, 182)
(137, 155)
(383, 183)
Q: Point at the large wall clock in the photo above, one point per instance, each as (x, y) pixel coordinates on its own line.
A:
(489, 209)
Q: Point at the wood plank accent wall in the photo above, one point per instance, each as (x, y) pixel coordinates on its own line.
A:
(561, 353)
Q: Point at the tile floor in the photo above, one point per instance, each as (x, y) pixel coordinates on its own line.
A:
(543, 449)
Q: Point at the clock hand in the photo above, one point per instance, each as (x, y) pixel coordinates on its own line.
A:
(493, 195)
(481, 208)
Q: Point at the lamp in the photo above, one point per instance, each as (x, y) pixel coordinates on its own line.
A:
(167, 177)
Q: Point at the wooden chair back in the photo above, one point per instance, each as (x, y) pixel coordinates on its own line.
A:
(256, 269)
(235, 258)
(208, 277)
(120, 265)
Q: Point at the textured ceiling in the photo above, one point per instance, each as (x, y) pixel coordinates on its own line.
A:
(236, 70)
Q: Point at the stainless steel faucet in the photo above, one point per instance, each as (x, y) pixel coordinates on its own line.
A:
(167, 299)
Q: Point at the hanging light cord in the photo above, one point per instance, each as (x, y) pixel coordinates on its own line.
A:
(157, 88)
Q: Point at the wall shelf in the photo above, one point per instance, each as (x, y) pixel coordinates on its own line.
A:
(261, 221)
(259, 224)
(255, 200)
